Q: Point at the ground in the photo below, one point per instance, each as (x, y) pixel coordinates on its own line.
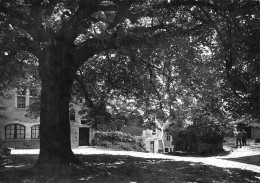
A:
(102, 165)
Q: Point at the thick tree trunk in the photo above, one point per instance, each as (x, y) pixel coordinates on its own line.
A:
(55, 146)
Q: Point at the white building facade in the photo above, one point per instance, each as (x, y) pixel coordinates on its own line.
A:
(18, 131)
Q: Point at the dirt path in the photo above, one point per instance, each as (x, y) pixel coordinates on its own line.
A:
(218, 161)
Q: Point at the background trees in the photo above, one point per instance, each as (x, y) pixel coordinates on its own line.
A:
(167, 55)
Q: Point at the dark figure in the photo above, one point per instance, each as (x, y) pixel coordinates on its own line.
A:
(244, 137)
(239, 138)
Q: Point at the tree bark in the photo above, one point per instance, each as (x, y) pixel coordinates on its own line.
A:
(57, 77)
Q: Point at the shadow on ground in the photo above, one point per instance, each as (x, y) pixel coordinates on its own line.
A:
(253, 160)
(109, 168)
(195, 154)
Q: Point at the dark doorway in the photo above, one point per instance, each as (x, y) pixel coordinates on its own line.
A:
(166, 149)
(152, 146)
(84, 137)
(248, 131)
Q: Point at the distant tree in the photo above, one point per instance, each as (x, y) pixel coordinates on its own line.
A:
(233, 40)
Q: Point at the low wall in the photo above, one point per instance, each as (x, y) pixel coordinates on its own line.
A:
(22, 144)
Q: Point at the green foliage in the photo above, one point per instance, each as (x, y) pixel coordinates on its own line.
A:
(158, 57)
(118, 140)
(33, 110)
(210, 127)
(206, 128)
(171, 56)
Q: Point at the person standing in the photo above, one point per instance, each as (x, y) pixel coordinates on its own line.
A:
(239, 138)
(244, 137)
(235, 137)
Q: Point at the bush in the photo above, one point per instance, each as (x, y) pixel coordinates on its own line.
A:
(192, 137)
(257, 140)
(118, 140)
(211, 136)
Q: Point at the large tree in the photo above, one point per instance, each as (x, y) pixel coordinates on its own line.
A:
(60, 35)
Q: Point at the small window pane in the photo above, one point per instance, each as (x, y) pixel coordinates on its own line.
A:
(35, 132)
(11, 132)
(20, 102)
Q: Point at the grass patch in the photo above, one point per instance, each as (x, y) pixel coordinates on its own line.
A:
(109, 168)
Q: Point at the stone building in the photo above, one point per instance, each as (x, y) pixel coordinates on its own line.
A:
(255, 130)
(157, 141)
(18, 131)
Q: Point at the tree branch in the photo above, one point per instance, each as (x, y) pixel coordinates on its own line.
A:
(90, 103)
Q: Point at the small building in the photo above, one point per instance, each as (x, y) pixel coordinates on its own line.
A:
(157, 141)
(255, 130)
(18, 131)
(252, 127)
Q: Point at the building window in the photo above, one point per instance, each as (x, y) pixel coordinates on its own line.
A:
(35, 132)
(20, 102)
(154, 131)
(84, 121)
(15, 131)
(72, 115)
(169, 137)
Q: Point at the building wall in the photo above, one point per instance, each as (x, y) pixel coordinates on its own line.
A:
(168, 142)
(255, 133)
(149, 135)
(14, 115)
(255, 130)
(74, 134)
(28, 142)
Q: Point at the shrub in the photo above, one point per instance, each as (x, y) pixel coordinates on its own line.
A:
(118, 140)
(191, 137)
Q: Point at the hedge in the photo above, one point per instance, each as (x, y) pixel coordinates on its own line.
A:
(118, 140)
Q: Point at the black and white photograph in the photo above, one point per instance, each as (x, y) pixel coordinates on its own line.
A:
(129, 91)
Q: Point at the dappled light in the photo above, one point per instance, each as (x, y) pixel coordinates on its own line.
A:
(17, 166)
(118, 168)
(183, 74)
